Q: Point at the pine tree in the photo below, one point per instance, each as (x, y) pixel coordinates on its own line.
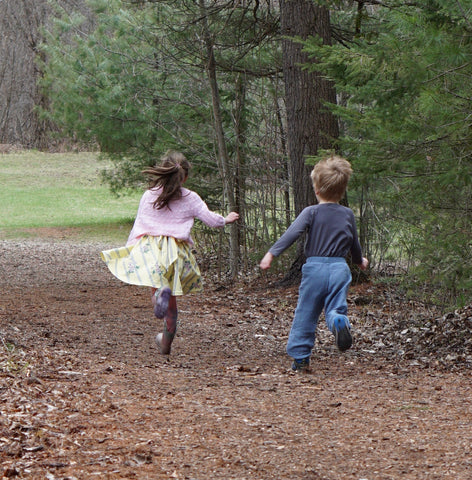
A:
(156, 75)
(404, 77)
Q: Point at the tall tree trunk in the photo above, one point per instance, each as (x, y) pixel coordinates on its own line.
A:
(20, 22)
(240, 129)
(286, 173)
(20, 72)
(309, 125)
(223, 157)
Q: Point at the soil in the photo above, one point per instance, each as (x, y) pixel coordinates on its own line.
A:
(85, 394)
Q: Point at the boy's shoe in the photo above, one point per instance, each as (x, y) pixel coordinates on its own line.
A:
(342, 333)
(302, 365)
(162, 302)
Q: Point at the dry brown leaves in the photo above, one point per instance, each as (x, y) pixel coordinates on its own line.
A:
(84, 393)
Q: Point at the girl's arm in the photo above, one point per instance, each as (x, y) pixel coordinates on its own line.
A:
(212, 219)
(232, 217)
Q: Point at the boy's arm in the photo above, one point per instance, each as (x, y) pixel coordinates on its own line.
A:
(356, 250)
(291, 234)
(266, 261)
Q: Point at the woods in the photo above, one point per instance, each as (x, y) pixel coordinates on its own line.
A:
(253, 92)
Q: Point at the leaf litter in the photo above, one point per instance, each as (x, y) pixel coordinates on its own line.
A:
(85, 394)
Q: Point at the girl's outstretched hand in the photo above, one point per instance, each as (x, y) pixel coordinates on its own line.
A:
(266, 261)
(232, 217)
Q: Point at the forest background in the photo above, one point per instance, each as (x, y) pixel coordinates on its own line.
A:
(254, 92)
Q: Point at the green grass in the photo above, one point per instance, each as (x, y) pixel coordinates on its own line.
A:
(42, 192)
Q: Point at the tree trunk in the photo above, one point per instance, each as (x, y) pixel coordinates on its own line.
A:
(240, 128)
(20, 21)
(20, 94)
(223, 157)
(309, 125)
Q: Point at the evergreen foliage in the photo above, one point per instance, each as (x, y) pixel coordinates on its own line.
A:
(135, 84)
(114, 86)
(404, 86)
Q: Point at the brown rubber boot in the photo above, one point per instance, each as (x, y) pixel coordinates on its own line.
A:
(164, 340)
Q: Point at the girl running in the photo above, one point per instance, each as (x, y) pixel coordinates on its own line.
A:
(158, 251)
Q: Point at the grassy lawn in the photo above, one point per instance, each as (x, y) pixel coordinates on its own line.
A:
(43, 193)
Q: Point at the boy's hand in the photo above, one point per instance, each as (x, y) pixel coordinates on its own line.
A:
(266, 261)
(232, 217)
(364, 264)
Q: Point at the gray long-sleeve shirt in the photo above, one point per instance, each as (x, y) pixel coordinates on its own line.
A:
(331, 232)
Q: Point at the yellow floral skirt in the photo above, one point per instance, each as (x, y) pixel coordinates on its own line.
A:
(156, 262)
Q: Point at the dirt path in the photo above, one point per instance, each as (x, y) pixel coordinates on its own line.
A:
(85, 394)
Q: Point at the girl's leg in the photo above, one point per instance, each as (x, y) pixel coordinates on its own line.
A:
(164, 340)
(171, 316)
(153, 296)
(161, 303)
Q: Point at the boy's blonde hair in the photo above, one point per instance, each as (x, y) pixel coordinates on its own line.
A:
(330, 178)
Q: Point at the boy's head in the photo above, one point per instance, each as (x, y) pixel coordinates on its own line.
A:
(330, 178)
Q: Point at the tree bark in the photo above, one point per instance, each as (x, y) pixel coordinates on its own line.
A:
(19, 31)
(240, 129)
(310, 126)
(20, 94)
(223, 157)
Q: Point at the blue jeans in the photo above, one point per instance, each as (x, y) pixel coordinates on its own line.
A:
(325, 282)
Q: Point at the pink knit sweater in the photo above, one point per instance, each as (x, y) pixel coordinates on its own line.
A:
(176, 220)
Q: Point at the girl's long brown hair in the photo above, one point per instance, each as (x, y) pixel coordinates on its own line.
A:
(169, 175)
